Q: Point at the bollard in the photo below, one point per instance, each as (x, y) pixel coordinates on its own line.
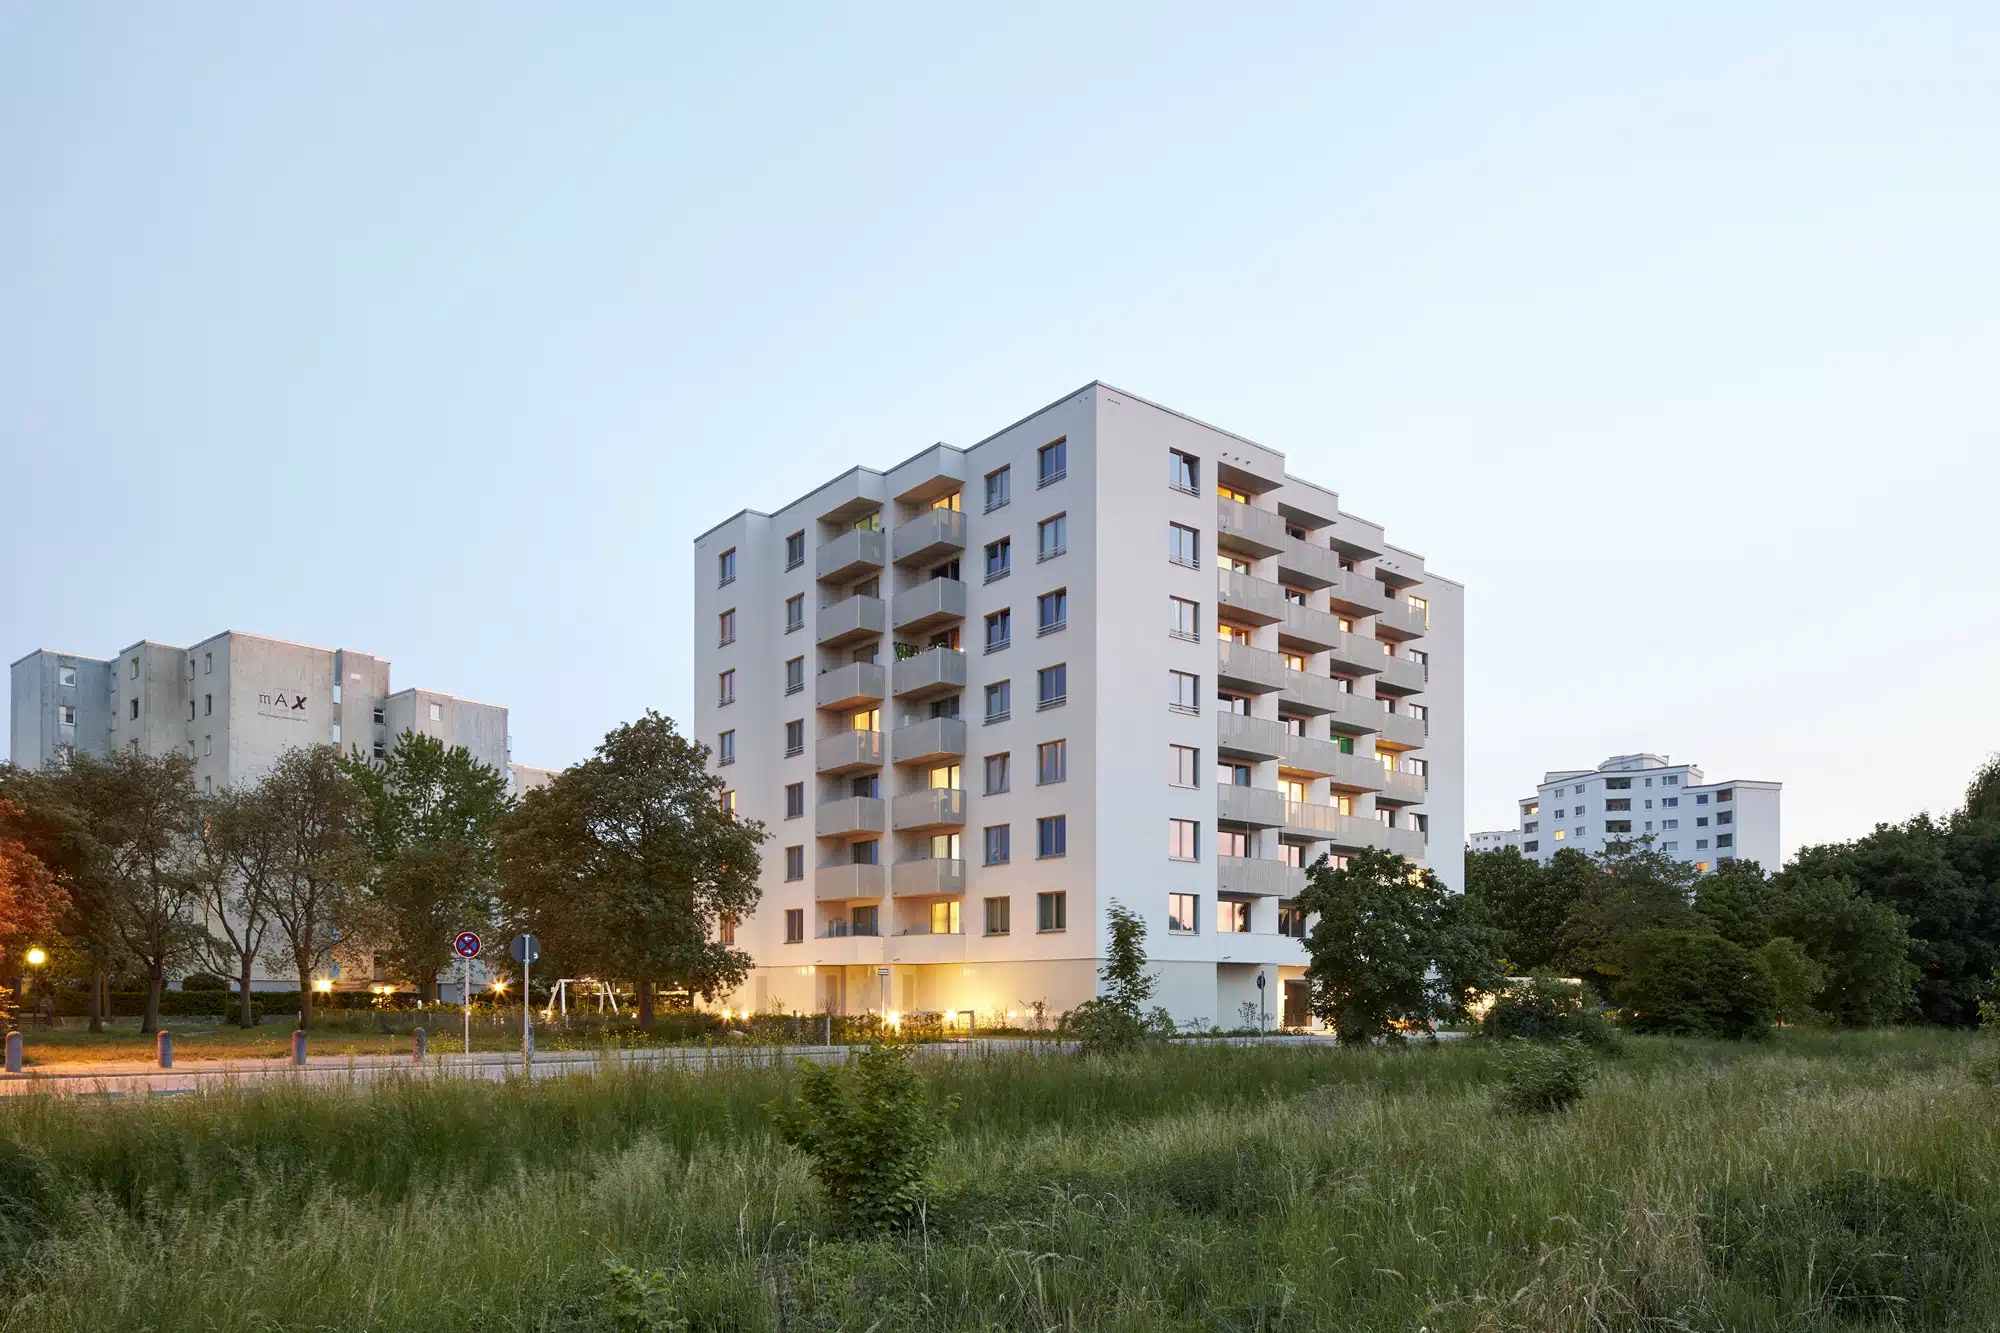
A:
(417, 1047)
(299, 1047)
(13, 1052)
(166, 1049)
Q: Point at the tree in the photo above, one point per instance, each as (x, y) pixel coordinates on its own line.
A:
(1634, 889)
(320, 860)
(1390, 945)
(1730, 900)
(1861, 947)
(58, 834)
(1694, 983)
(1527, 906)
(236, 853)
(31, 901)
(869, 1132)
(627, 863)
(1116, 1020)
(1796, 980)
(430, 816)
(1982, 794)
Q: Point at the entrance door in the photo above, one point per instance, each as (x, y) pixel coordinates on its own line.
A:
(1298, 1005)
(833, 991)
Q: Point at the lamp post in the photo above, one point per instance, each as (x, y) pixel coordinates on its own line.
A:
(37, 958)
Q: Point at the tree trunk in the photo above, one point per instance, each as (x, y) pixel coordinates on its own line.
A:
(305, 998)
(155, 979)
(645, 987)
(428, 990)
(246, 1012)
(97, 999)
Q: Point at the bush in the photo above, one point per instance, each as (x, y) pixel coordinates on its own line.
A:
(196, 981)
(1689, 984)
(1537, 1078)
(869, 1132)
(1545, 1008)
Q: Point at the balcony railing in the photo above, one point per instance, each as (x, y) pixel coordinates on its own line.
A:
(1315, 629)
(1254, 738)
(850, 686)
(850, 883)
(1400, 620)
(1259, 601)
(851, 816)
(854, 553)
(1246, 528)
(927, 878)
(847, 751)
(851, 621)
(933, 671)
(1404, 730)
(935, 807)
(929, 740)
(1258, 807)
(1256, 670)
(1259, 877)
(1401, 674)
(932, 535)
(929, 605)
(1403, 787)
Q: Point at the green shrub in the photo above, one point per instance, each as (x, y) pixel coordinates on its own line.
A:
(1691, 984)
(1546, 1008)
(869, 1132)
(1537, 1078)
(196, 981)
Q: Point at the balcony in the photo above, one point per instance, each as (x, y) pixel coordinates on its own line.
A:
(1355, 594)
(1356, 538)
(1258, 807)
(1253, 738)
(1308, 693)
(1316, 631)
(1308, 565)
(851, 555)
(849, 950)
(927, 878)
(851, 686)
(1259, 601)
(936, 472)
(1325, 823)
(1324, 759)
(1400, 675)
(1402, 788)
(1251, 670)
(850, 883)
(932, 604)
(1403, 731)
(847, 751)
(933, 808)
(1399, 620)
(851, 621)
(1358, 653)
(933, 671)
(929, 741)
(1248, 530)
(851, 817)
(925, 947)
(935, 534)
(1355, 714)
(1256, 877)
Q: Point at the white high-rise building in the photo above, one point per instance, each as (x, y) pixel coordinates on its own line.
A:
(1108, 654)
(1631, 797)
(1492, 840)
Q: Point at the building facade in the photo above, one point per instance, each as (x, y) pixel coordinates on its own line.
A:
(1492, 840)
(1630, 797)
(1110, 654)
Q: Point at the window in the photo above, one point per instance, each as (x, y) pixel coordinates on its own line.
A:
(134, 673)
(999, 844)
(1701, 844)
(1726, 794)
(1617, 826)
(1052, 463)
(795, 675)
(795, 924)
(727, 800)
(997, 912)
(381, 716)
(1669, 824)
(1532, 808)
(1052, 537)
(1052, 611)
(1618, 803)
(1232, 494)
(208, 705)
(1233, 775)
(999, 558)
(1291, 920)
(1183, 840)
(1052, 836)
(1671, 780)
(725, 748)
(866, 920)
(1725, 817)
(1051, 911)
(1618, 784)
(1531, 826)
(1531, 845)
(1670, 846)
(725, 627)
(795, 799)
(208, 743)
(999, 701)
(725, 691)
(725, 568)
(866, 719)
(207, 664)
(1183, 472)
(1232, 842)
(1184, 619)
(999, 630)
(1183, 545)
(1725, 839)
(1183, 692)
(190, 710)
(66, 714)
(1670, 802)
(66, 676)
(1701, 798)
(1052, 687)
(795, 550)
(996, 489)
(1051, 762)
(1232, 918)
(726, 928)
(1701, 821)
(1183, 766)
(1182, 913)
(381, 750)
(795, 863)
(795, 615)
(944, 918)
(867, 852)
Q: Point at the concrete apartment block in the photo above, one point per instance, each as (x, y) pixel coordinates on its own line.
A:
(1108, 654)
(1633, 796)
(1492, 840)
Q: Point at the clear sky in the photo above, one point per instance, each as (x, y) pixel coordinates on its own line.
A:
(438, 331)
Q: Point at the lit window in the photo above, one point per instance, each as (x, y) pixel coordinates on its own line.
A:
(1232, 918)
(944, 918)
(1231, 493)
(728, 802)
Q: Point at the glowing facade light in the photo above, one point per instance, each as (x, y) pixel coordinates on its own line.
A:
(324, 985)
(37, 956)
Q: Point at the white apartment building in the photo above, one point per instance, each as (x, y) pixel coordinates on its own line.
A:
(1108, 654)
(1492, 840)
(1630, 797)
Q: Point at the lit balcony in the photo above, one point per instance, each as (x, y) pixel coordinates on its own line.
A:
(1256, 877)
(1248, 530)
(932, 808)
(851, 621)
(1251, 670)
(851, 817)
(933, 671)
(1258, 807)
(929, 741)
(850, 883)
(847, 751)
(928, 878)
(932, 604)
(852, 555)
(851, 686)
(935, 534)
(1402, 730)
(924, 947)
(1402, 788)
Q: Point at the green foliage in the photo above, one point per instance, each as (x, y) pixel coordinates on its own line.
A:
(319, 862)
(868, 1134)
(643, 1300)
(1982, 794)
(199, 981)
(1547, 1008)
(1731, 901)
(1538, 1077)
(1796, 980)
(1862, 948)
(1526, 905)
(1116, 1020)
(1624, 892)
(1694, 984)
(1390, 946)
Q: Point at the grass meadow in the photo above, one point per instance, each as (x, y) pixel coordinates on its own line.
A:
(1811, 1182)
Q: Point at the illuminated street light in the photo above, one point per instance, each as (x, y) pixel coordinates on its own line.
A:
(324, 986)
(37, 956)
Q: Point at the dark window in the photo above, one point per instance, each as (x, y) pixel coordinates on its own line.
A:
(795, 863)
(1052, 462)
(1051, 911)
(1052, 611)
(999, 630)
(795, 550)
(795, 800)
(999, 844)
(999, 558)
(1052, 836)
(1183, 472)
(1051, 762)
(1052, 686)
(997, 489)
(795, 737)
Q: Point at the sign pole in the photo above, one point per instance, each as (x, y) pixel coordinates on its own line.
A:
(466, 996)
(527, 1010)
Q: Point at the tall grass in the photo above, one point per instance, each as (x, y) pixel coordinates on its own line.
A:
(1697, 1186)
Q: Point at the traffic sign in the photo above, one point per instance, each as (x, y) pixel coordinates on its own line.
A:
(526, 949)
(466, 945)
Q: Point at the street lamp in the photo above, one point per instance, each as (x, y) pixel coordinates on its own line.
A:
(37, 956)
